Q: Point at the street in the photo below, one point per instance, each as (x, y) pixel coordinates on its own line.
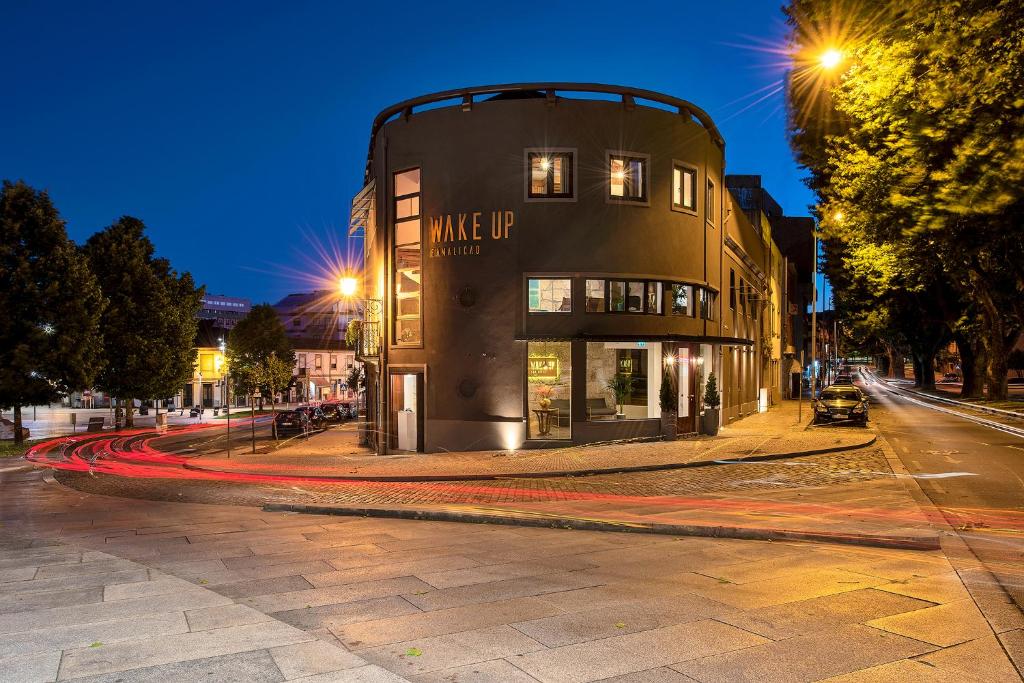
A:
(987, 503)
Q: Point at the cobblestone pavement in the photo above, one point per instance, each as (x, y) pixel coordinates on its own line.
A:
(810, 471)
(94, 588)
(336, 452)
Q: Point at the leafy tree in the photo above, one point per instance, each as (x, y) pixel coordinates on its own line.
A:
(50, 337)
(149, 325)
(260, 355)
(916, 147)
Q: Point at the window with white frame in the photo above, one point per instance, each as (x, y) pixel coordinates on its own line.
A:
(549, 295)
(709, 202)
(684, 187)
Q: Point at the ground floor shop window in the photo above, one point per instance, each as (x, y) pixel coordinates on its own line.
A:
(623, 380)
(549, 390)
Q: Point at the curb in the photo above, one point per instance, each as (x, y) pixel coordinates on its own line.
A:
(922, 542)
(563, 473)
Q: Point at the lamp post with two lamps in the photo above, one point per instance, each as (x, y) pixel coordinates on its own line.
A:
(369, 348)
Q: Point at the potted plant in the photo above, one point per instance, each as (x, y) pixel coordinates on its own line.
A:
(620, 385)
(712, 400)
(667, 400)
(544, 392)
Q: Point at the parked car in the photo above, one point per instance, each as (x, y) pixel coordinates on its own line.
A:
(841, 403)
(950, 378)
(289, 421)
(844, 379)
(317, 419)
(334, 412)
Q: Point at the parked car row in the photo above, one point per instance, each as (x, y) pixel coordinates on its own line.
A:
(305, 419)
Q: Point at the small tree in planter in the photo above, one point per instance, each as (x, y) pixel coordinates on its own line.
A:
(620, 385)
(667, 400)
(712, 400)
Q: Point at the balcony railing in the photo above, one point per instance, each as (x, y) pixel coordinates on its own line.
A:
(368, 345)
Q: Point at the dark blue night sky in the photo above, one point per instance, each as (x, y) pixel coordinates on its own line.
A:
(238, 132)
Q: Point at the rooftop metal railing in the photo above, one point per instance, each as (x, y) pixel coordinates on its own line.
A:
(464, 97)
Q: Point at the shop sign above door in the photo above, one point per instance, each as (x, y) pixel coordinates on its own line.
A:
(543, 368)
(461, 234)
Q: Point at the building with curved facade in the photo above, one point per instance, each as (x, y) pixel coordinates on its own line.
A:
(528, 246)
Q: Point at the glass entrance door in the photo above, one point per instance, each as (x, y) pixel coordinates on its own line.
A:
(686, 415)
(406, 401)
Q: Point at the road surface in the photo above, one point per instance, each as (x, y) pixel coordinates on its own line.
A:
(986, 502)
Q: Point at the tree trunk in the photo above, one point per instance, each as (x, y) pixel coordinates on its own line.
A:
(915, 359)
(972, 366)
(997, 371)
(18, 439)
(273, 415)
(129, 413)
(252, 421)
(896, 365)
(927, 365)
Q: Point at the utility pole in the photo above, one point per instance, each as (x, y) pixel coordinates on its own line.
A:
(814, 314)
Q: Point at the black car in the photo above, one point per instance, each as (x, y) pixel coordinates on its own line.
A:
(290, 421)
(838, 403)
(334, 412)
(844, 378)
(316, 417)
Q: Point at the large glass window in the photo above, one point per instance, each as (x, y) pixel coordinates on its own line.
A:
(623, 380)
(707, 304)
(550, 295)
(684, 187)
(732, 289)
(627, 177)
(549, 390)
(682, 299)
(709, 202)
(408, 259)
(550, 174)
(634, 296)
(595, 296)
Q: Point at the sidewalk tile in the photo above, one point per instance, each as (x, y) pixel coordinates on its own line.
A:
(315, 597)
(144, 589)
(494, 671)
(939, 588)
(606, 622)
(22, 602)
(817, 614)
(337, 615)
(223, 616)
(38, 667)
(943, 625)
(177, 648)
(423, 655)
(367, 634)
(105, 611)
(905, 671)
(248, 667)
(500, 590)
(776, 591)
(634, 652)
(659, 675)
(806, 658)
(60, 637)
(983, 657)
(364, 674)
(252, 587)
(315, 657)
(416, 568)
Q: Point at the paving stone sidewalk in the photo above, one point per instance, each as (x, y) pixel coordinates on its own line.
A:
(336, 452)
(94, 588)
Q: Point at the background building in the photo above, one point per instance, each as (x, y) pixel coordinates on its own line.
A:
(224, 311)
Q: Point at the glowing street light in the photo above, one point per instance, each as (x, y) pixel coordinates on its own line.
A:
(348, 286)
(831, 58)
(838, 216)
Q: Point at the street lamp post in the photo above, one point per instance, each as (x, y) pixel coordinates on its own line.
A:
(348, 286)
